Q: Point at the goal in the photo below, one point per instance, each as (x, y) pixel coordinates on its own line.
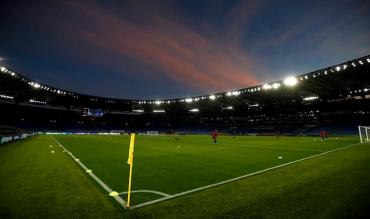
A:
(364, 132)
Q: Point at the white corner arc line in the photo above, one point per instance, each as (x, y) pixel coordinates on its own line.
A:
(99, 181)
(147, 191)
(236, 178)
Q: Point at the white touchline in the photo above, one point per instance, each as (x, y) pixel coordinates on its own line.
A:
(235, 179)
(147, 191)
(99, 181)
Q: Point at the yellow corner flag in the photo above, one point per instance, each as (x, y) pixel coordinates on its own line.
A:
(131, 150)
(130, 162)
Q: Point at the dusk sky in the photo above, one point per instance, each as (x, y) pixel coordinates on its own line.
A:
(166, 49)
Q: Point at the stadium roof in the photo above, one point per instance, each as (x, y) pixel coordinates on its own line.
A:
(345, 80)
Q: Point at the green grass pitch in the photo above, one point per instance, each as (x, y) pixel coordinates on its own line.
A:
(38, 183)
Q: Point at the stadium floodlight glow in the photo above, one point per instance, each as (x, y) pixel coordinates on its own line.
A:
(266, 87)
(353, 64)
(368, 60)
(360, 62)
(229, 94)
(3, 69)
(235, 93)
(195, 110)
(365, 89)
(306, 76)
(311, 98)
(138, 111)
(337, 68)
(158, 111)
(290, 81)
(157, 102)
(189, 100)
(6, 97)
(212, 97)
(36, 85)
(344, 67)
(275, 85)
(229, 108)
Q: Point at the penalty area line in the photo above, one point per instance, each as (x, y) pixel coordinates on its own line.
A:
(237, 178)
(88, 171)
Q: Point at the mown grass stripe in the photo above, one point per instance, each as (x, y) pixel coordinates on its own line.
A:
(236, 178)
(99, 181)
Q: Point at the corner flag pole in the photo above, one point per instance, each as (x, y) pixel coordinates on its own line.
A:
(130, 162)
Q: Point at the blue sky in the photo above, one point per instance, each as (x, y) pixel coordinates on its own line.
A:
(169, 48)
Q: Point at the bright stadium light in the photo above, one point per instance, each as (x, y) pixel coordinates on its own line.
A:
(229, 94)
(36, 85)
(189, 100)
(310, 98)
(368, 60)
(3, 69)
(275, 85)
(266, 87)
(157, 102)
(337, 68)
(195, 110)
(235, 93)
(158, 111)
(212, 97)
(290, 81)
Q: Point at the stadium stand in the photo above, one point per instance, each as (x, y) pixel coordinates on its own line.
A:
(335, 99)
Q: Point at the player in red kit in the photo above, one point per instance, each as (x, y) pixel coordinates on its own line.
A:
(322, 135)
(214, 136)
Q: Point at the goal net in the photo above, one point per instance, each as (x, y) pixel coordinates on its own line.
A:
(364, 132)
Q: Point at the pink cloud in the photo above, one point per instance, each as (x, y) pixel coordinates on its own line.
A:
(173, 49)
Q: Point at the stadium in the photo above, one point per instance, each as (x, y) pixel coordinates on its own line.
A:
(262, 129)
(71, 146)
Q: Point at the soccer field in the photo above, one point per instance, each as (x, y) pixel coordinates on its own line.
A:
(166, 167)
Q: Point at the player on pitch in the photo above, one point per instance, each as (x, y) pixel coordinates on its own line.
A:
(214, 136)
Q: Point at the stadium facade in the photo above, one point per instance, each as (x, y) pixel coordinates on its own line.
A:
(336, 98)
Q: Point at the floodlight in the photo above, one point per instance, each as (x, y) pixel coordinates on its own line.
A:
(228, 94)
(188, 100)
(310, 98)
(36, 85)
(368, 60)
(266, 87)
(195, 110)
(157, 102)
(337, 68)
(290, 81)
(235, 93)
(275, 85)
(3, 69)
(344, 67)
(212, 97)
(158, 111)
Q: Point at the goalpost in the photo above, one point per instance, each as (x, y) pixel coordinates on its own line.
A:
(363, 131)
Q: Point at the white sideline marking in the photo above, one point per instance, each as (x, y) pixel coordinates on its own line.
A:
(236, 178)
(99, 181)
(147, 191)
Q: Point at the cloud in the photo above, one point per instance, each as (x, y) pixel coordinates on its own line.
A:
(173, 49)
